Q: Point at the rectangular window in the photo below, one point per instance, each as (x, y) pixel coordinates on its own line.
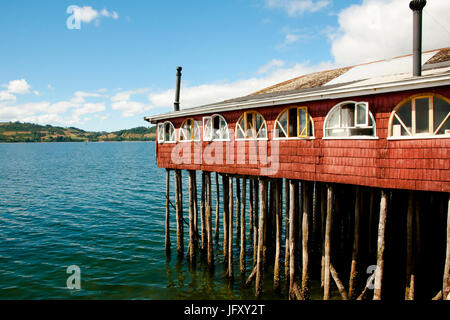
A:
(207, 129)
(362, 114)
(302, 122)
(160, 132)
(422, 116)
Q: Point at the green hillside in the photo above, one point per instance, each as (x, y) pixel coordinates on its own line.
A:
(30, 132)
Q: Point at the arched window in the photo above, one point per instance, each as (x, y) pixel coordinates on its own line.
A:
(190, 131)
(349, 120)
(421, 115)
(166, 132)
(251, 125)
(215, 127)
(294, 122)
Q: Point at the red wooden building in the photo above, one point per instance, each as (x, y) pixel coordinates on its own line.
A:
(360, 125)
(354, 139)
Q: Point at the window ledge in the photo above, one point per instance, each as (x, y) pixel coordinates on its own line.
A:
(351, 138)
(163, 142)
(295, 138)
(441, 136)
(251, 139)
(187, 141)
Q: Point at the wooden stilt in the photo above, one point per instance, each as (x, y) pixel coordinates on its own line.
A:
(305, 240)
(230, 228)
(262, 216)
(409, 290)
(242, 229)
(293, 193)
(329, 221)
(191, 247)
(167, 237)
(208, 220)
(226, 208)
(216, 226)
(256, 222)
(286, 233)
(196, 233)
(251, 209)
(238, 212)
(380, 247)
(202, 214)
(278, 224)
(323, 210)
(355, 254)
(338, 282)
(179, 214)
(446, 280)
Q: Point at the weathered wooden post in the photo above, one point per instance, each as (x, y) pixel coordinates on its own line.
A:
(208, 218)
(293, 192)
(278, 224)
(230, 228)
(167, 237)
(191, 247)
(226, 208)
(328, 224)
(202, 214)
(238, 211)
(256, 220)
(251, 208)
(305, 240)
(409, 290)
(380, 249)
(179, 213)
(353, 271)
(446, 280)
(216, 226)
(242, 229)
(286, 233)
(262, 216)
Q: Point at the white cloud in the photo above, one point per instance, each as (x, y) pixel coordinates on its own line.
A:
(79, 96)
(88, 108)
(377, 29)
(122, 101)
(297, 7)
(5, 95)
(108, 14)
(19, 86)
(275, 63)
(85, 14)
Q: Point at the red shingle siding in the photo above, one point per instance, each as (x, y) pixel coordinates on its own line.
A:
(401, 164)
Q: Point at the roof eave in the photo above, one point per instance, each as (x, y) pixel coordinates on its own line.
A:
(408, 84)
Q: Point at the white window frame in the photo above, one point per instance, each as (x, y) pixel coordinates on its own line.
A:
(432, 134)
(196, 126)
(162, 128)
(238, 127)
(310, 135)
(366, 116)
(346, 130)
(210, 119)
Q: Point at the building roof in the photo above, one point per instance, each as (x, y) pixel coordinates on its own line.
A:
(368, 78)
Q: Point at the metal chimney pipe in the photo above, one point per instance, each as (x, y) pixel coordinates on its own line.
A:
(176, 105)
(417, 6)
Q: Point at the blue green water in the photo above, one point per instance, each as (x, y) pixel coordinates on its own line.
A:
(99, 206)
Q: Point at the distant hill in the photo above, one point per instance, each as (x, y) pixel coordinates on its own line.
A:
(30, 132)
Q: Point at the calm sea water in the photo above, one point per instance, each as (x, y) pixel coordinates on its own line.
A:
(99, 206)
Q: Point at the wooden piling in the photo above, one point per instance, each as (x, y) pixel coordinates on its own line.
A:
(208, 220)
(446, 278)
(293, 193)
(202, 213)
(242, 229)
(256, 222)
(196, 233)
(251, 208)
(323, 211)
(191, 247)
(329, 221)
(278, 224)
(167, 222)
(226, 208)
(409, 290)
(179, 213)
(380, 247)
(216, 226)
(355, 253)
(305, 240)
(262, 216)
(230, 228)
(286, 233)
(238, 212)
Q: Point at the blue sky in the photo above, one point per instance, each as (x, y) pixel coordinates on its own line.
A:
(120, 65)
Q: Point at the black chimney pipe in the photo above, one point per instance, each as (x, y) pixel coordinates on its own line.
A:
(176, 104)
(417, 7)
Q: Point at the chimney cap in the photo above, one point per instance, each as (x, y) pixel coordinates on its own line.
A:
(179, 69)
(417, 5)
